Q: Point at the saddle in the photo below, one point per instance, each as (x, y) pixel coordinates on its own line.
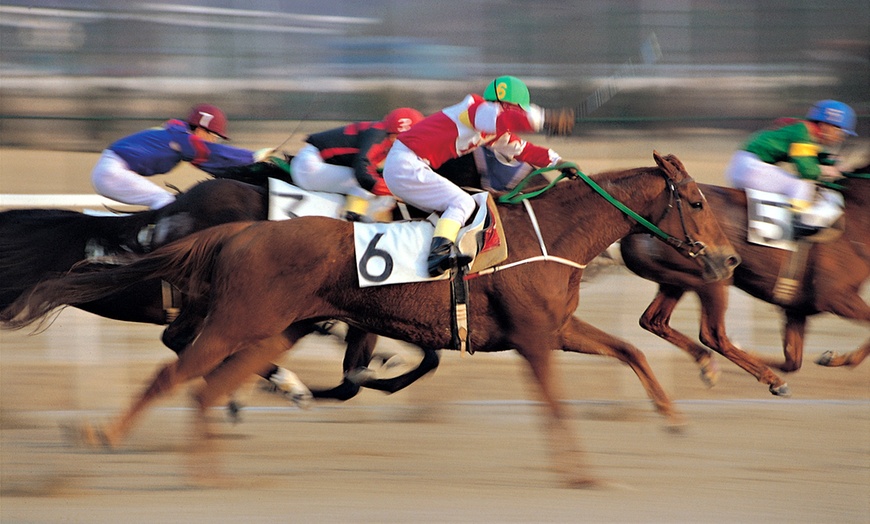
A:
(772, 223)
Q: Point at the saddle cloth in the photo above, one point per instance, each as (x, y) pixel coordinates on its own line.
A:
(396, 253)
(289, 201)
(770, 220)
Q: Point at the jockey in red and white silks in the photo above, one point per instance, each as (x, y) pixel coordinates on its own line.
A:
(451, 133)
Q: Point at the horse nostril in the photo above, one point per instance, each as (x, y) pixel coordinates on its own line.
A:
(733, 261)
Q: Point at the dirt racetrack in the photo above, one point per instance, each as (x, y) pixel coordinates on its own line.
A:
(463, 445)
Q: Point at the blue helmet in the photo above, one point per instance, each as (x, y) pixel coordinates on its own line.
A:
(834, 113)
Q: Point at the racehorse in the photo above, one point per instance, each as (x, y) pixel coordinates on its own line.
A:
(835, 272)
(38, 243)
(268, 281)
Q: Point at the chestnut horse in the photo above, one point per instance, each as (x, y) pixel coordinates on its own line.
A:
(268, 281)
(835, 272)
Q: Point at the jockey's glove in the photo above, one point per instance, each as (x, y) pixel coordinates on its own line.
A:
(266, 154)
(829, 173)
(559, 122)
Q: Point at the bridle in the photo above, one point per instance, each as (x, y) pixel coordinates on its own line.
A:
(688, 247)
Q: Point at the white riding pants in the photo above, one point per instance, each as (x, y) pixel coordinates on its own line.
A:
(746, 170)
(113, 179)
(310, 172)
(410, 178)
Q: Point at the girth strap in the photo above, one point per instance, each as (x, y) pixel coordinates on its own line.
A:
(459, 296)
(171, 301)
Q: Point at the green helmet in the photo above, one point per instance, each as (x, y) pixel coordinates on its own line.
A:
(508, 89)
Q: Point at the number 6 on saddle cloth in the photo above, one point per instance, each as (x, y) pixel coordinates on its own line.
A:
(395, 253)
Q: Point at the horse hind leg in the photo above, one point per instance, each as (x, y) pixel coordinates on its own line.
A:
(851, 359)
(657, 318)
(203, 355)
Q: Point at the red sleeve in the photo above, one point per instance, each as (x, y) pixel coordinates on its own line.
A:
(513, 119)
(535, 155)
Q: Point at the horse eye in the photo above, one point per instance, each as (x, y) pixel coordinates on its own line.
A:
(698, 205)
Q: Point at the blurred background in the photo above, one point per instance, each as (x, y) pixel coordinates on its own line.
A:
(77, 74)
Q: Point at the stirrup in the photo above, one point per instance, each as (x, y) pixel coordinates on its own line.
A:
(352, 216)
(444, 255)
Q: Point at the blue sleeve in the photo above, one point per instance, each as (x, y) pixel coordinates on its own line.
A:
(217, 158)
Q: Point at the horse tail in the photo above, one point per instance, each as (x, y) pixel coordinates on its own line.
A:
(186, 263)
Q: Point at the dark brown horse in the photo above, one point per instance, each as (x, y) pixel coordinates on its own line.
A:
(833, 278)
(267, 282)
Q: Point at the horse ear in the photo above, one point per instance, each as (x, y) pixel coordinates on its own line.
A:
(670, 165)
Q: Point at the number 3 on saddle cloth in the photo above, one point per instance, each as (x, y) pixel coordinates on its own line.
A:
(394, 253)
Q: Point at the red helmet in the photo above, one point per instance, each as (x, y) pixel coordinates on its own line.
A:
(401, 119)
(210, 118)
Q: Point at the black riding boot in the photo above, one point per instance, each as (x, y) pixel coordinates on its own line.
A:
(444, 255)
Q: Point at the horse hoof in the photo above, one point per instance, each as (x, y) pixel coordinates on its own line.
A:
(826, 358)
(360, 376)
(781, 390)
(676, 426)
(390, 360)
(583, 482)
(302, 398)
(234, 411)
(88, 435)
(710, 372)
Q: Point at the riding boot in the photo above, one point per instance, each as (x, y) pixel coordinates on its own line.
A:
(443, 253)
(355, 209)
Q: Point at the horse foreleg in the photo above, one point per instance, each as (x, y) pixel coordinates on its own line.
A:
(360, 345)
(231, 373)
(391, 385)
(714, 302)
(203, 463)
(568, 458)
(656, 319)
(581, 337)
(283, 382)
(206, 353)
(792, 344)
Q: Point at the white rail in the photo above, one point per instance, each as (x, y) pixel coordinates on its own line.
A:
(10, 201)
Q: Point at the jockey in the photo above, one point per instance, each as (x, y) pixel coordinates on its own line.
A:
(346, 159)
(454, 131)
(121, 171)
(806, 144)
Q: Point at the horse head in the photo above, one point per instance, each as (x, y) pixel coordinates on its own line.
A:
(693, 219)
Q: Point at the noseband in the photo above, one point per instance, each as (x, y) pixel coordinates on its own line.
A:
(690, 248)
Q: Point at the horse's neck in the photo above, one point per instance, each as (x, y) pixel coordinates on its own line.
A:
(576, 222)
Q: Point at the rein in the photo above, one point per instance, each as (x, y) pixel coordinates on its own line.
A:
(690, 247)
